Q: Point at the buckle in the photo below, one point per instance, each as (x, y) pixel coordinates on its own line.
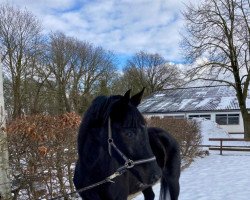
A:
(110, 140)
(129, 164)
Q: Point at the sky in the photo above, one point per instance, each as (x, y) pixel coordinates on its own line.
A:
(122, 26)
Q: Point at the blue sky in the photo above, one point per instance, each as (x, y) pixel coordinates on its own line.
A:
(122, 26)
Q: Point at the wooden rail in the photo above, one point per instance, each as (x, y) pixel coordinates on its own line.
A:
(229, 148)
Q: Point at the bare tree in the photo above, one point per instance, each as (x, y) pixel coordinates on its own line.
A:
(218, 32)
(151, 71)
(100, 66)
(76, 71)
(94, 68)
(60, 56)
(20, 34)
(55, 76)
(34, 83)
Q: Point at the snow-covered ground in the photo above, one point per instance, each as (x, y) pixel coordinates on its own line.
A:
(215, 177)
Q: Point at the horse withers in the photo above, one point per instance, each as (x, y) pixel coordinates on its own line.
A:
(118, 155)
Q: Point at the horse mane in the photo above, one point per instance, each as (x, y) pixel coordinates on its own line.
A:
(99, 111)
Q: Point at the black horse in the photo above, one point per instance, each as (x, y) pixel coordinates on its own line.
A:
(119, 155)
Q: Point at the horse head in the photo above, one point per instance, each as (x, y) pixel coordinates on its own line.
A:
(129, 134)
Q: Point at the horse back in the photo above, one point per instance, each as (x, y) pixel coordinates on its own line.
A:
(167, 152)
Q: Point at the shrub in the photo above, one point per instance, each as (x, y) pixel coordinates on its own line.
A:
(186, 132)
(42, 152)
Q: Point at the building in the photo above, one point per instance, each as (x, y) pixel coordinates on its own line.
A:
(216, 103)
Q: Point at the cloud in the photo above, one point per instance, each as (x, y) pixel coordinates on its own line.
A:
(122, 26)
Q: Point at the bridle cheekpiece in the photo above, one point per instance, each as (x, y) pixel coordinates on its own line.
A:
(128, 162)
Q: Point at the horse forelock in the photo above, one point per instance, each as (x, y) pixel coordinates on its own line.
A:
(134, 118)
(100, 109)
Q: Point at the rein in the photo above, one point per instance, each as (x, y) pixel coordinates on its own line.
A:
(127, 165)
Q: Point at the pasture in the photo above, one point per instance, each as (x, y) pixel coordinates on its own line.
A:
(215, 177)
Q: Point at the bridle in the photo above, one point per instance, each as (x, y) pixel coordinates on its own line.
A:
(127, 165)
(128, 162)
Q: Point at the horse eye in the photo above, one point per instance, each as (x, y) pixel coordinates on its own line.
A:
(129, 134)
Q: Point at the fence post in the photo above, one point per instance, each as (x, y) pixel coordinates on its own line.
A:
(221, 147)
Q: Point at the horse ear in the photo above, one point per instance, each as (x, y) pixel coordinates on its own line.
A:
(123, 102)
(126, 97)
(136, 99)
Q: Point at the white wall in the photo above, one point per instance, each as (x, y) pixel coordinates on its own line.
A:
(231, 128)
(239, 128)
(163, 115)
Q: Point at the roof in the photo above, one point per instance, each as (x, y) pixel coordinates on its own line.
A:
(214, 98)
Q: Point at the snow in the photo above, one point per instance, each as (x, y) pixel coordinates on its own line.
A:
(216, 177)
(225, 102)
(159, 95)
(248, 103)
(215, 98)
(210, 129)
(203, 102)
(161, 105)
(184, 102)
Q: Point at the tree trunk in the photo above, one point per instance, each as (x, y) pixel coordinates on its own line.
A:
(246, 122)
(17, 110)
(60, 172)
(66, 102)
(5, 189)
(245, 115)
(70, 176)
(60, 102)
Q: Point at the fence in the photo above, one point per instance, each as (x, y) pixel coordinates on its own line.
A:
(222, 147)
